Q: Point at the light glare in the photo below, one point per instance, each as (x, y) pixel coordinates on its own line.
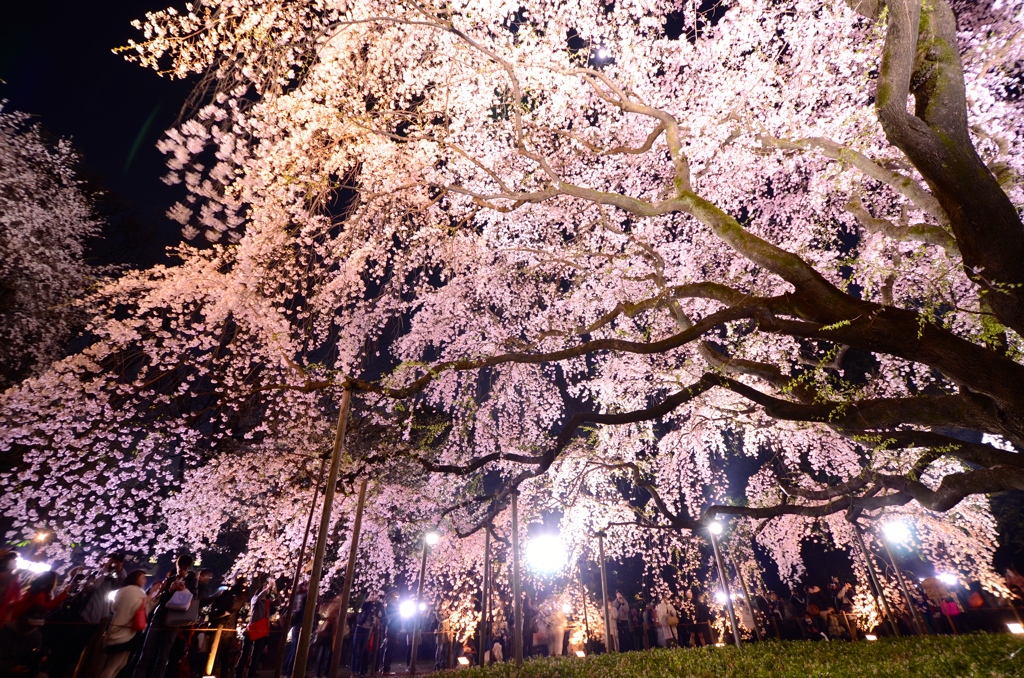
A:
(581, 653)
(566, 608)
(406, 609)
(896, 532)
(1015, 627)
(432, 538)
(870, 636)
(948, 579)
(33, 567)
(715, 528)
(463, 661)
(546, 554)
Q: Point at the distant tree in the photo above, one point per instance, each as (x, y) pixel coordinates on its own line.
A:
(45, 220)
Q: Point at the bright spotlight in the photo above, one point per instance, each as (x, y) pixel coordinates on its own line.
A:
(566, 608)
(432, 538)
(870, 636)
(720, 598)
(948, 579)
(463, 661)
(111, 596)
(406, 609)
(41, 535)
(581, 653)
(1015, 627)
(546, 554)
(896, 532)
(33, 567)
(719, 644)
(423, 607)
(715, 528)
(602, 53)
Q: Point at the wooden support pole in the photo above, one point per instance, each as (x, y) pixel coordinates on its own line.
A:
(346, 591)
(609, 646)
(299, 562)
(306, 633)
(517, 597)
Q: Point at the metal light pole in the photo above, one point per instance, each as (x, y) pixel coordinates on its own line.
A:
(878, 585)
(750, 600)
(429, 539)
(306, 634)
(583, 599)
(609, 645)
(485, 594)
(295, 582)
(346, 592)
(517, 599)
(715, 529)
(921, 629)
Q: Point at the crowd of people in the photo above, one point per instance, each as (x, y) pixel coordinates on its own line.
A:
(113, 622)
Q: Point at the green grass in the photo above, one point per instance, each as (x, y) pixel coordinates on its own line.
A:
(967, 656)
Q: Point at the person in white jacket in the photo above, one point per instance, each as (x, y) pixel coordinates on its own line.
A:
(121, 634)
(666, 632)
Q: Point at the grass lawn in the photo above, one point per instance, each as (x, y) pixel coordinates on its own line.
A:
(970, 655)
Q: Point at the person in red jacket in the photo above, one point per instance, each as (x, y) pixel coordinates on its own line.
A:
(38, 600)
(10, 587)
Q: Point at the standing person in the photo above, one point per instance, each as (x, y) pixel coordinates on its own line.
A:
(324, 640)
(257, 632)
(664, 613)
(295, 626)
(556, 630)
(530, 613)
(613, 632)
(701, 619)
(621, 606)
(123, 635)
(636, 624)
(648, 620)
(224, 615)
(161, 636)
(360, 639)
(86, 635)
(39, 600)
(10, 586)
(391, 622)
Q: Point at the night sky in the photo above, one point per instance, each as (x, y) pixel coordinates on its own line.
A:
(56, 64)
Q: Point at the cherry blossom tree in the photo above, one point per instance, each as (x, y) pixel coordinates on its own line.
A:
(45, 219)
(601, 255)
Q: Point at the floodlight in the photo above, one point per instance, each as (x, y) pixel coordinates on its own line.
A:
(870, 636)
(715, 528)
(33, 567)
(896, 532)
(948, 579)
(1015, 627)
(581, 653)
(432, 538)
(719, 644)
(463, 661)
(546, 554)
(406, 609)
